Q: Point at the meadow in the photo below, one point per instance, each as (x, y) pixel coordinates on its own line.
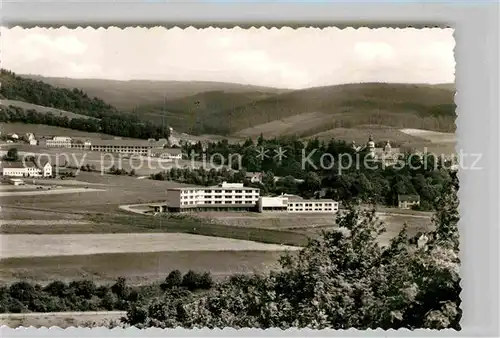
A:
(87, 235)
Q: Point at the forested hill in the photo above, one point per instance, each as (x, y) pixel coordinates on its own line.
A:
(99, 115)
(37, 92)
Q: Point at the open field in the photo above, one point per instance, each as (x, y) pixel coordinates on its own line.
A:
(42, 129)
(138, 268)
(10, 214)
(432, 136)
(60, 319)
(118, 190)
(360, 135)
(293, 125)
(90, 244)
(127, 95)
(42, 109)
(143, 166)
(57, 191)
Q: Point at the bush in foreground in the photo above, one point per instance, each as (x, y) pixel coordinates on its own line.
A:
(343, 280)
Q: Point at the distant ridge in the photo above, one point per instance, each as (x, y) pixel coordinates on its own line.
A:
(218, 108)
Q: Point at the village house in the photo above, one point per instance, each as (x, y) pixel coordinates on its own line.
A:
(169, 154)
(27, 168)
(408, 201)
(254, 177)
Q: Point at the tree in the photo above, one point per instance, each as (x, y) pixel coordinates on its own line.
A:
(120, 288)
(12, 155)
(174, 279)
(344, 279)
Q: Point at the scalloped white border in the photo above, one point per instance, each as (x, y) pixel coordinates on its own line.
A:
(471, 98)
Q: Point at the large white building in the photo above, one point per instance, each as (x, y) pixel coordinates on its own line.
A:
(225, 196)
(135, 147)
(36, 168)
(237, 197)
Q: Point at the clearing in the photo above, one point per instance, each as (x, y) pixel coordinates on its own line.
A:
(42, 109)
(61, 319)
(432, 136)
(90, 244)
(44, 130)
(293, 125)
(138, 268)
(54, 191)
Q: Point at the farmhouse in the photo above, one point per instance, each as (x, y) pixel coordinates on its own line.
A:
(27, 168)
(408, 201)
(254, 177)
(167, 153)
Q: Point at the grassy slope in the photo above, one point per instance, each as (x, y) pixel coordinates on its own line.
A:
(42, 109)
(44, 130)
(397, 105)
(247, 111)
(127, 95)
(186, 112)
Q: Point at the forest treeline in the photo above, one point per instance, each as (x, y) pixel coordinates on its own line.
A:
(108, 119)
(85, 295)
(425, 176)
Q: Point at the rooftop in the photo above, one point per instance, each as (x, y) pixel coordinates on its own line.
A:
(292, 199)
(38, 162)
(220, 186)
(168, 151)
(408, 198)
(130, 143)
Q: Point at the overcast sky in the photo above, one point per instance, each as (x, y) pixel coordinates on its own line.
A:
(284, 58)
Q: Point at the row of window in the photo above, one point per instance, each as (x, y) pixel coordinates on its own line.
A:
(217, 197)
(218, 202)
(311, 204)
(217, 191)
(310, 209)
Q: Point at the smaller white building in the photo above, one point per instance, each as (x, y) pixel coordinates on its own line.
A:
(290, 203)
(169, 154)
(36, 168)
(254, 177)
(313, 206)
(16, 181)
(278, 203)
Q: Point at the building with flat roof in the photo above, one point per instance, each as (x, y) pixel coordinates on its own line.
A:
(225, 196)
(291, 203)
(58, 142)
(237, 197)
(313, 206)
(136, 147)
